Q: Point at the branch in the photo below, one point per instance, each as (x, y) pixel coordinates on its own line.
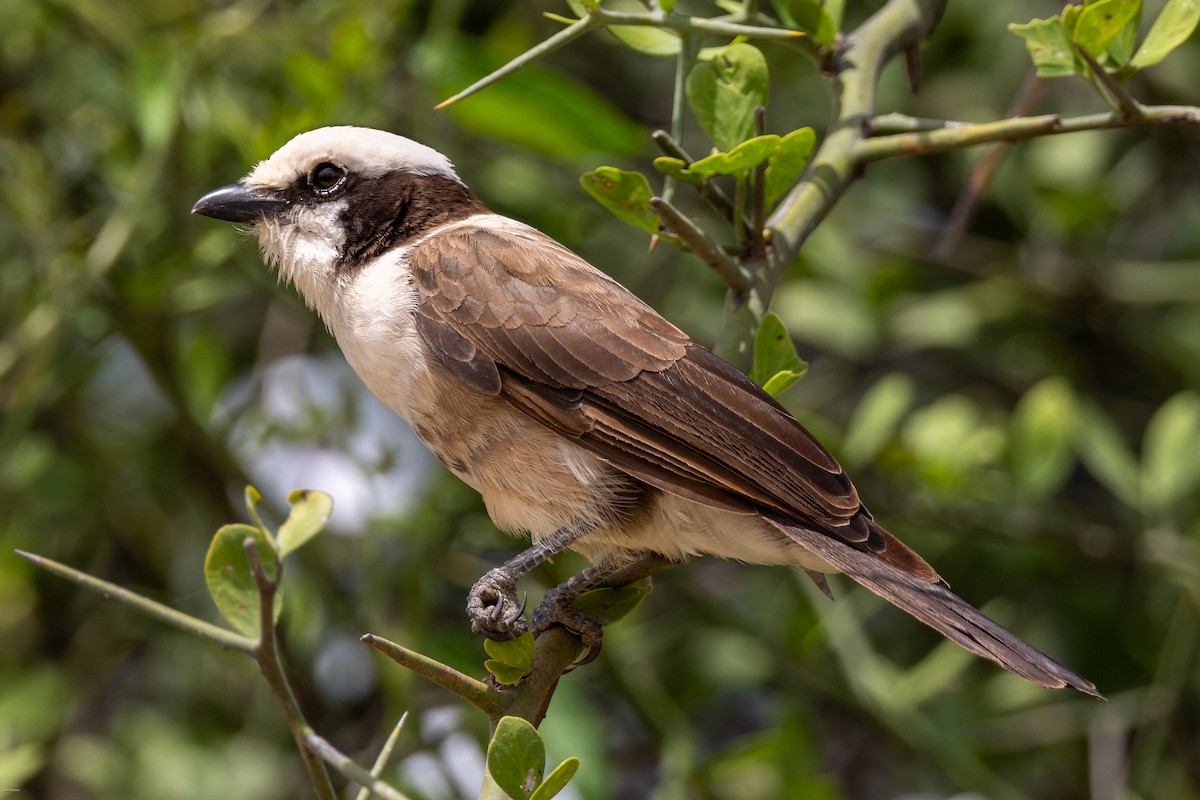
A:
(835, 164)
(602, 18)
(476, 692)
(699, 243)
(272, 669)
(176, 619)
(1014, 130)
(343, 764)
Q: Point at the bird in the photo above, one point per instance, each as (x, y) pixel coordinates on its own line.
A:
(583, 417)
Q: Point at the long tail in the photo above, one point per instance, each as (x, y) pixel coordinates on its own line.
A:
(941, 609)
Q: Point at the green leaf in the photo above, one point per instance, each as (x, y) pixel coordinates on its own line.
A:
(1174, 24)
(310, 512)
(740, 160)
(516, 757)
(1048, 46)
(1120, 49)
(648, 40)
(643, 38)
(230, 580)
(1106, 455)
(1171, 453)
(776, 364)
(877, 417)
(677, 168)
(253, 497)
(557, 780)
(810, 16)
(1100, 22)
(725, 89)
(626, 194)
(510, 661)
(606, 606)
(786, 164)
(1040, 436)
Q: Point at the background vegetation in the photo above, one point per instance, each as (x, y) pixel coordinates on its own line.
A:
(1024, 411)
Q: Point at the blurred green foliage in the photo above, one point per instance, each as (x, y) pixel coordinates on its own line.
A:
(1026, 415)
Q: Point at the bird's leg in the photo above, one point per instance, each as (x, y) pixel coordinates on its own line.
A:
(555, 608)
(492, 603)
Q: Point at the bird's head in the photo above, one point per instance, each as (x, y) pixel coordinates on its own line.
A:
(333, 199)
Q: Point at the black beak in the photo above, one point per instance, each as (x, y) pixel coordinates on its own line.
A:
(239, 203)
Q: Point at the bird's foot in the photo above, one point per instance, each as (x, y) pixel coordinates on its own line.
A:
(555, 609)
(492, 606)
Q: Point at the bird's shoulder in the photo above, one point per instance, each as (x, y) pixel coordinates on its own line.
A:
(493, 289)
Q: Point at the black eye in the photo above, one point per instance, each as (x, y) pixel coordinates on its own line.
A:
(325, 177)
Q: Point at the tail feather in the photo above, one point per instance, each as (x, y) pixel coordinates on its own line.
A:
(941, 609)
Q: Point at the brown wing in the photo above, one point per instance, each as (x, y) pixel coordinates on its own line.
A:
(511, 312)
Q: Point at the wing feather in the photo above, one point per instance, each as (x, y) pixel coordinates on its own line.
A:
(581, 354)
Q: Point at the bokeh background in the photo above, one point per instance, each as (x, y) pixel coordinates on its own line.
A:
(1025, 412)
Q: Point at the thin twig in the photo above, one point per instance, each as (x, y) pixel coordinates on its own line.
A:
(1014, 130)
(677, 22)
(698, 241)
(683, 62)
(602, 18)
(271, 667)
(343, 764)
(176, 619)
(385, 753)
(710, 192)
(981, 174)
(475, 692)
(886, 124)
(1114, 94)
(563, 37)
(758, 187)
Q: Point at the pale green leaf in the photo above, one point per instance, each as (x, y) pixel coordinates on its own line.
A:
(557, 780)
(1101, 22)
(1174, 24)
(677, 168)
(516, 757)
(253, 497)
(1048, 46)
(626, 194)
(738, 161)
(606, 606)
(786, 164)
(230, 579)
(776, 364)
(648, 40)
(511, 660)
(810, 16)
(310, 512)
(725, 89)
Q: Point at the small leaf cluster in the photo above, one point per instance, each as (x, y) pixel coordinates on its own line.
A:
(228, 571)
(516, 762)
(1106, 31)
(726, 91)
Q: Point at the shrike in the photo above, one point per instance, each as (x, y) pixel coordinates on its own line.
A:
(581, 415)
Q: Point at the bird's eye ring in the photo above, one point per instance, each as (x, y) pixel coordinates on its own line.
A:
(326, 176)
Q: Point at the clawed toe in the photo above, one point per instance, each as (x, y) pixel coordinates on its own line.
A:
(555, 609)
(493, 609)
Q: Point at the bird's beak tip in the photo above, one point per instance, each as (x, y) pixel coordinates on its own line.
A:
(237, 203)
